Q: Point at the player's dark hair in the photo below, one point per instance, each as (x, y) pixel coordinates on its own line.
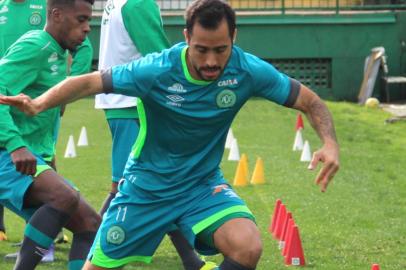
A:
(209, 14)
(51, 4)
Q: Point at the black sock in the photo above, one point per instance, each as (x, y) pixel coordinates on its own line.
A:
(229, 264)
(189, 258)
(2, 227)
(39, 234)
(106, 203)
(81, 245)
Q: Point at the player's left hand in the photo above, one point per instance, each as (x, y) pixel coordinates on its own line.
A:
(22, 102)
(329, 155)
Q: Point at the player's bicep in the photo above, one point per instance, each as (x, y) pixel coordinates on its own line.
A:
(132, 79)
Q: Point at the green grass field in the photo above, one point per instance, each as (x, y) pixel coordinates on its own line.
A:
(360, 220)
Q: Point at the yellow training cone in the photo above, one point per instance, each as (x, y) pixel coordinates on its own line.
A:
(241, 174)
(258, 174)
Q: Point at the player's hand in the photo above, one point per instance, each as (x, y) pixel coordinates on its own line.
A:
(329, 155)
(25, 162)
(22, 102)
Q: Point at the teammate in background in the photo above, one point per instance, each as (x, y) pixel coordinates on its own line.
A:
(190, 94)
(28, 185)
(31, 16)
(131, 29)
(19, 17)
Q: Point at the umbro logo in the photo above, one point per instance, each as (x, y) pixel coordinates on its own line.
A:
(175, 98)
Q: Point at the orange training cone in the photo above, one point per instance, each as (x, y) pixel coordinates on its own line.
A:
(258, 174)
(375, 266)
(295, 255)
(289, 229)
(279, 222)
(284, 230)
(241, 177)
(299, 122)
(244, 160)
(274, 216)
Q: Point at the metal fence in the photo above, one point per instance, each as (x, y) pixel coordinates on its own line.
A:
(283, 6)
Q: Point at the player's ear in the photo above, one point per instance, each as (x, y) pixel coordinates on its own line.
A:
(56, 15)
(187, 36)
(235, 36)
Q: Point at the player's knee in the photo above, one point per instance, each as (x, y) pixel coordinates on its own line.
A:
(246, 247)
(67, 200)
(93, 221)
(249, 248)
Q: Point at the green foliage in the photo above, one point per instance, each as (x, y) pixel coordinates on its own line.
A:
(360, 220)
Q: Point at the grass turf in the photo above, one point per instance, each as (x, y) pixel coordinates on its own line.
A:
(360, 220)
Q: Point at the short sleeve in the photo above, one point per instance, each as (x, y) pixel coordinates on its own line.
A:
(268, 82)
(135, 78)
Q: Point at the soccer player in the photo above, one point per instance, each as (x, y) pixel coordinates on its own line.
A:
(28, 185)
(129, 30)
(189, 95)
(19, 17)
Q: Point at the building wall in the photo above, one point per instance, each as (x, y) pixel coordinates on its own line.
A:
(326, 52)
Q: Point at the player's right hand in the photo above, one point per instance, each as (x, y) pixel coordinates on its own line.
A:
(22, 102)
(25, 161)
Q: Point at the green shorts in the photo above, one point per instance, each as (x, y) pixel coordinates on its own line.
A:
(14, 185)
(137, 221)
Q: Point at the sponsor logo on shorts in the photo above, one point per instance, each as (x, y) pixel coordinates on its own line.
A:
(227, 191)
(219, 188)
(35, 18)
(115, 235)
(226, 99)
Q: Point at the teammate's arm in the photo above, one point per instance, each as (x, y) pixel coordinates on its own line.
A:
(67, 91)
(320, 119)
(146, 29)
(18, 69)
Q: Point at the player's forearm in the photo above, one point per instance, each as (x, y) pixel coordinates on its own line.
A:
(321, 120)
(318, 115)
(69, 90)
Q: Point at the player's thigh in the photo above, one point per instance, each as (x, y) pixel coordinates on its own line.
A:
(85, 218)
(210, 207)
(14, 186)
(51, 188)
(132, 228)
(236, 235)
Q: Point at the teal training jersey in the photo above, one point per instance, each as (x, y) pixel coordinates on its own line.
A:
(184, 122)
(17, 18)
(32, 65)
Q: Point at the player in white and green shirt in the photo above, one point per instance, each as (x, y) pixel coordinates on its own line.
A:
(28, 185)
(190, 95)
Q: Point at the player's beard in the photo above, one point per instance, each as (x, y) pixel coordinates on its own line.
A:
(200, 72)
